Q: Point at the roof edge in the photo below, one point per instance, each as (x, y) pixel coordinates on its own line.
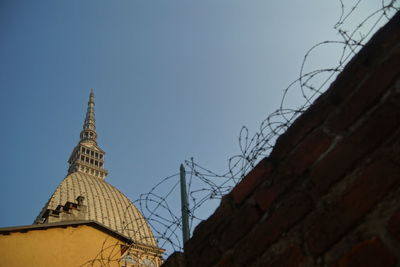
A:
(94, 224)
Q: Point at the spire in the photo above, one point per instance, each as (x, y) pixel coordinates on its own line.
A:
(87, 157)
(89, 126)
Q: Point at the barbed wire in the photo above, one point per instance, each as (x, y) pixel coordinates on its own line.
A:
(206, 187)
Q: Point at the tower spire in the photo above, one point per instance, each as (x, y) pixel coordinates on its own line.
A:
(89, 125)
(87, 156)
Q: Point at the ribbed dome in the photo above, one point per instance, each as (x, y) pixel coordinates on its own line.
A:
(105, 204)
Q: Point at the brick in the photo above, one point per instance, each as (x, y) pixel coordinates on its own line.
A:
(242, 222)
(386, 37)
(393, 225)
(360, 143)
(227, 261)
(292, 256)
(308, 151)
(303, 157)
(208, 255)
(369, 188)
(395, 149)
(311, 119)
(334, 166)
(370, 253)
(292, 209)
(379, 127)
(248, 184)
(355, 71)
(367, 95)
(367, 58)
(220, 217)
(265, 196)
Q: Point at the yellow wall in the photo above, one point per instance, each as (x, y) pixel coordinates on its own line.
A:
(53, 247)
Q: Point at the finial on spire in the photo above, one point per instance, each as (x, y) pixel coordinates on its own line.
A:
(89, 126)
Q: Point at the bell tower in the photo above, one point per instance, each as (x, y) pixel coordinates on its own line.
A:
(87, 156)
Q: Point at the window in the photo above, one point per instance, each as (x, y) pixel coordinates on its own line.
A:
(129, 260)
(148, 263)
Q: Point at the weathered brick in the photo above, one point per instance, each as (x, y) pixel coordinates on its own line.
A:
(393, 225)
(242, 222)
(371, 186)
(388, 36)
(220, 217)
(349, 79)
(266, 195)
(380, 126)
(227, 260)
(333, 167)
(287, 214)
(370, 253)
(308, 151)
(359, 144)
(366, 60)
(208, 255)
(303, 157)
(367, 95)
(291, 257)
(312, 118)
(251, 180)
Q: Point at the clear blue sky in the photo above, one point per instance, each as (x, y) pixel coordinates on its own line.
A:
(173, 79)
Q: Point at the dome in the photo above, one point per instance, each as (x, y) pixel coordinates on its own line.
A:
(103, 203)
(84, 195)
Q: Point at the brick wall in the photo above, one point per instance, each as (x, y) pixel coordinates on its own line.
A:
(328, 194)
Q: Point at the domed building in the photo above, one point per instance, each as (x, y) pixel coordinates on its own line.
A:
(84, 198)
